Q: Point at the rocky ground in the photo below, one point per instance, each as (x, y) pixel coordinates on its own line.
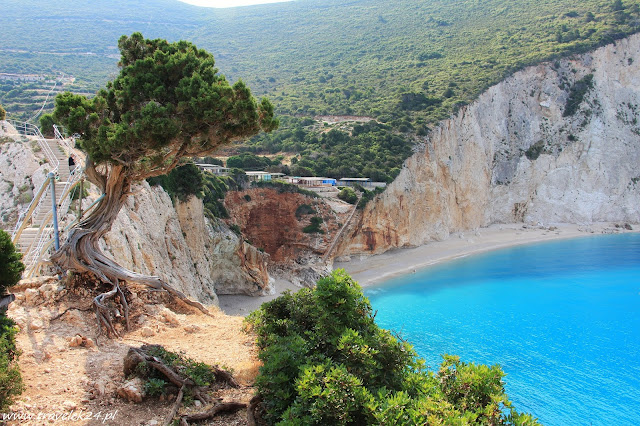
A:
(76, 376)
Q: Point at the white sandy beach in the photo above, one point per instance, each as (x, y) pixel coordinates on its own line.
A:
(368, 270)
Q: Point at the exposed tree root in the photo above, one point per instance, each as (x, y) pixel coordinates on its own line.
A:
(138, 356)
(224, 407)
(176, 406)
(252, 417)
(81, 251)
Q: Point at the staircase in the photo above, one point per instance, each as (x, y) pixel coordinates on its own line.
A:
(33, 234)
(42, 215)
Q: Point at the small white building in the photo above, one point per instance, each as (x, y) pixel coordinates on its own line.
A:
(312, 181)
(259, 176)
(213, 168)
(364, 182)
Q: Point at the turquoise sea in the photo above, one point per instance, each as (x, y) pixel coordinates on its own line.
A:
(561, 318)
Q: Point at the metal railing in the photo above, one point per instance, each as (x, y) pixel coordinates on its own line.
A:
(24, 218)
(29, 129)
(34, 254)
(46, 244)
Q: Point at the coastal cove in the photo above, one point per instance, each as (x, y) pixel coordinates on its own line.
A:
(559, 317)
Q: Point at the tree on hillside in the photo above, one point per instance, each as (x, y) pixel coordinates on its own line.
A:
(167, 103)
(3, 113)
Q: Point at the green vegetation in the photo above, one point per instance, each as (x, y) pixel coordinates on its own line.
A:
(248, 161)
(3, 113)
(283, 187)
(198, 374)
(367, 195)
(348, 195)
(407, 64)
(168, 103)
(182, 182)
(325, 361)
(314, 226)
(10, 378)
(577, 92)
(10, 265)
(534, 151)
(303, 210)
(10, 273)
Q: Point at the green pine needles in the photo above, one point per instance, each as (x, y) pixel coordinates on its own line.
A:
(10, 265)
(10, 273)
(327, 362)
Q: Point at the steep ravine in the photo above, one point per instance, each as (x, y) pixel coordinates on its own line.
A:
(512, 156)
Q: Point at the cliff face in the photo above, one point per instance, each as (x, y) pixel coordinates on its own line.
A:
(150, 236)
(274, 221)
(513, 156)
(179, 245)
(20, 175)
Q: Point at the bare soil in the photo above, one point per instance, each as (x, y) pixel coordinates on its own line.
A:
(74, 380)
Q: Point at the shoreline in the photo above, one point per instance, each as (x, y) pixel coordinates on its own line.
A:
(368, 270)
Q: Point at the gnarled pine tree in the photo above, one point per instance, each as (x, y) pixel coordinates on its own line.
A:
(167, 103)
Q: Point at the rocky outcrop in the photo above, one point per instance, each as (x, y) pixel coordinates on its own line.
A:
(274, 220)
(515, 156)
(150, 236)
(21, 173)
(178, 244)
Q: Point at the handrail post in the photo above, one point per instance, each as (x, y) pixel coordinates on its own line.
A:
(80, 199)
(54, 210)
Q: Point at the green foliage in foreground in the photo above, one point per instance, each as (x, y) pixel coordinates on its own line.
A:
(3, 113)
(10, 273)
(10, 379)
(327, 362)
(10, 265)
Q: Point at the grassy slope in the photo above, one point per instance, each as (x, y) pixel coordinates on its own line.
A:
(409, 63)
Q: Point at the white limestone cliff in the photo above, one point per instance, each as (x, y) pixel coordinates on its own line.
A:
(151, 236)
(178, 244)
(474, 171)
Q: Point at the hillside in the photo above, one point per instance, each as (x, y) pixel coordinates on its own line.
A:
(408, 64)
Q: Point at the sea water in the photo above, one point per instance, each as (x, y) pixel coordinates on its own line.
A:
(562, 319)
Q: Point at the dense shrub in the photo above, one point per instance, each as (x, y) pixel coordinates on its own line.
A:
(576, 95)
(10, 265)
(249, 161)
(325, 361)
(10, 273)
(303, 210)
(348, 195)
(368, 196)
(182, 182)
(10, 379)
(314, 226)
(534, 151)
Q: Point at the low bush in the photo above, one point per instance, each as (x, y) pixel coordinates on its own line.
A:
(325, 361)
(348, 195)
(10, 379)
(11, 266)
(11, 269)
(314, 227)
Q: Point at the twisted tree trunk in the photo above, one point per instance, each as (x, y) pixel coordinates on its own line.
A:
(81, 251)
